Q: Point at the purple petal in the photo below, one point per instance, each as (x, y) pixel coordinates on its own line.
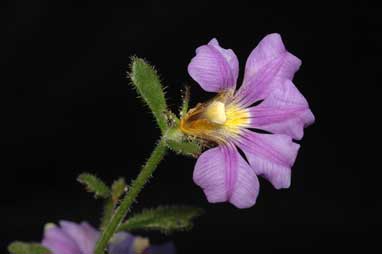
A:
(224, 176)
(122, 243)
(83, 234)
(210, 173)
(247, 186)
(270, 155)
(229, 56)
(166, 248)
(214, 68)
(56, 240)
(284, 111)
(268, 66)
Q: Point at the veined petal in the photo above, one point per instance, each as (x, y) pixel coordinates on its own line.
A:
(83, 234)
(224, 176)
(56, 240)
(268, 66)
(247, 186)
(214, 68)
(229, 56)
(270, 155)
(212, 169)
(284, 111)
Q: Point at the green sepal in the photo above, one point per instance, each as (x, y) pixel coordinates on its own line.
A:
(147, 83)
(27, 248)
(95, 185)
(186, 101)
(166, 219)
(177, 142)
(187, 148)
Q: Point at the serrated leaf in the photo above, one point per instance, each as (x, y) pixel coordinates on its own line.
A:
(27, 248)
(146, 80)
(165, 219)
(95, 185)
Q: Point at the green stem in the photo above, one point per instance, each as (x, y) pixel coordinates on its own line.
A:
(130, 197)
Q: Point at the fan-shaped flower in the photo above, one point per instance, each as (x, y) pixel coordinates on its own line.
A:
(73, 238)
(266, 100)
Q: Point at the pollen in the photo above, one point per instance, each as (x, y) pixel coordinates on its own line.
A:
(215, 112)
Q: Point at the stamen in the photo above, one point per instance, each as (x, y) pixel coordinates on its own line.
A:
(215, 112)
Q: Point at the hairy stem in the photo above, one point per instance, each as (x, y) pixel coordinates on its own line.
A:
(136, 187)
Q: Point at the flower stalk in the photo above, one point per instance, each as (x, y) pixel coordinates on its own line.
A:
(135, 188)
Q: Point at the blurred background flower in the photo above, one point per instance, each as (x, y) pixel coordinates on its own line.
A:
(72, 238)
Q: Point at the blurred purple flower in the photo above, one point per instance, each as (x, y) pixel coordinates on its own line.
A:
(266, 100)
(73, 238)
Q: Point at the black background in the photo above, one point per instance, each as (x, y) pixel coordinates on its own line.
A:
(68, 108)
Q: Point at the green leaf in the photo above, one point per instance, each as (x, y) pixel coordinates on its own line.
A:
(164, 218)
(175, 140)
(27, 248)
(94, 184)
(145, 79)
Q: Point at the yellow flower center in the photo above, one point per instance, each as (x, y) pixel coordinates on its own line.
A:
(216, 120)
(237, 118)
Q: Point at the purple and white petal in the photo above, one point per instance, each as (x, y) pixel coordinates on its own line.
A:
(122, 243)
(225, 176)
(267, 67)
(83, 234)
(284, 111)
(214, 68)
(270, 155)
(56, 240)
(166, 248)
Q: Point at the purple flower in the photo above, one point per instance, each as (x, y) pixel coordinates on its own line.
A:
(266, 100)
(70, 238)
(73, 238)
